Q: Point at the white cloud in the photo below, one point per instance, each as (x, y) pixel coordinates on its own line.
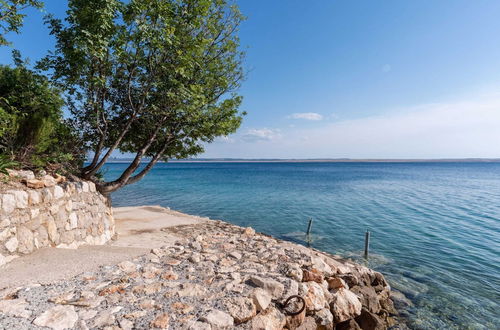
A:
(263, 134)
(306, 116)
(462, 129)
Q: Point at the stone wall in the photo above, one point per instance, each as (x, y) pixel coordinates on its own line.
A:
(64, 215)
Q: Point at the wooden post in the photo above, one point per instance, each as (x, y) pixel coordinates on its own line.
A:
(309, 226)
(367, 243)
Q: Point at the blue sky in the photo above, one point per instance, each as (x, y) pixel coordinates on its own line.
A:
(357, 79)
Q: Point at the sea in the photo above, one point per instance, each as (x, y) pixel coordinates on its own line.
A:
(434, 226)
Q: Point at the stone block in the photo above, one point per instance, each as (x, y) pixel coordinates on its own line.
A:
(58, 192)
(25, 239)
(33, 197)
(8, 203)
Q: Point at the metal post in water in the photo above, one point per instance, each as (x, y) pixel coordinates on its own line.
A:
(309, 226)
(367, 243)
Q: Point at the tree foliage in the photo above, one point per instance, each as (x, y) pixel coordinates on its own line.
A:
(11, 16)
(32, 131)
(157, 78)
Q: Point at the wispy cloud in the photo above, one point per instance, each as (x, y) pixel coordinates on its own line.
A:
(306, 116)
(262, 134)
(458, 129)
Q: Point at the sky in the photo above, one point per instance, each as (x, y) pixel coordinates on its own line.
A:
(356, 79)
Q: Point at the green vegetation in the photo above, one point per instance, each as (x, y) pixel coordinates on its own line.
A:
(157, 78)
(11, 16)
(32, 130)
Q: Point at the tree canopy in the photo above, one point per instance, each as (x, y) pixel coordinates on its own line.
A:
(11, 16)
(157, 78)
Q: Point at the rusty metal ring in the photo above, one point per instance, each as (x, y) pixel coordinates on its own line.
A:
(288, 301)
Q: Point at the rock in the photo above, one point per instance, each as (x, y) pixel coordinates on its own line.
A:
(319, 264)
(25, 240)
(195, 258)
(161, 321)
(261, 298)
(240, 308)
(270, 319)
(191, 289)
(169, 275)
(58, 317)
(308, 324)
(34, 183)
(335, 283)
(8, 203)
(294, 271)
(24, 175)
(218, 319)
(126, 324)
(197, 325)
(347, 325)
(127, 266)
(249, 231)
(275, 288)
(21, 198)
(52, 231)
(58, 192)
(11, 245)
(182, 308)
(345, 305)
(314, 296)
(368, 298)
(104, 318)
(235, 255)
(369, 321)
(15, 307)
(324, 319)
(49, 181)
(313, 275)
(60, 178)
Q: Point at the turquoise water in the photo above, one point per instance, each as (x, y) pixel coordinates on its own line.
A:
(435, 227)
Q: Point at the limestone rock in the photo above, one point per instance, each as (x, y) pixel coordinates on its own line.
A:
(368, 298)
(320, 264)
(369, 321)
(345, 305)
(25, 240)
(249, 231)
(21, 198)
(191, 289)
(270, 319)
(347, 325)
(127, 266)
(161, 321)
(240, 308)
(218, 319)
(11, 244)
(308, 324)
(8, 203)
(314, 296)
(49, 181)
(15, 307)
(294, 271)
(34, 183)
(58, 317)
(274, 287)
(197, 325)
(324, 319)
(335, 283)
(312, 275)
(261, 298)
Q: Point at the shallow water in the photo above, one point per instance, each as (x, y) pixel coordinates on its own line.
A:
(435, 227)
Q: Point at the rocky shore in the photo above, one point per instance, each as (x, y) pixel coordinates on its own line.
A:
(214, 275)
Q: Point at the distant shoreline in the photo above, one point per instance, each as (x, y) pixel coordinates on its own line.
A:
(222, 160)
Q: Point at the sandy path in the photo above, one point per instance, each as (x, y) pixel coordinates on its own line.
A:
(138, 228)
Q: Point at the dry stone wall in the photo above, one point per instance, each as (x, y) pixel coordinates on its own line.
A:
(64, 215)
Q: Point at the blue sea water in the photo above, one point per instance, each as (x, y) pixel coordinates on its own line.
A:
(435, 227)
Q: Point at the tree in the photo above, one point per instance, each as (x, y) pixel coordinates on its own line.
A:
(157, 78)
(11, 16)
(32, 131)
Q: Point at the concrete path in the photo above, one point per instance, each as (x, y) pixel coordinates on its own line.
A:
(139, 230)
